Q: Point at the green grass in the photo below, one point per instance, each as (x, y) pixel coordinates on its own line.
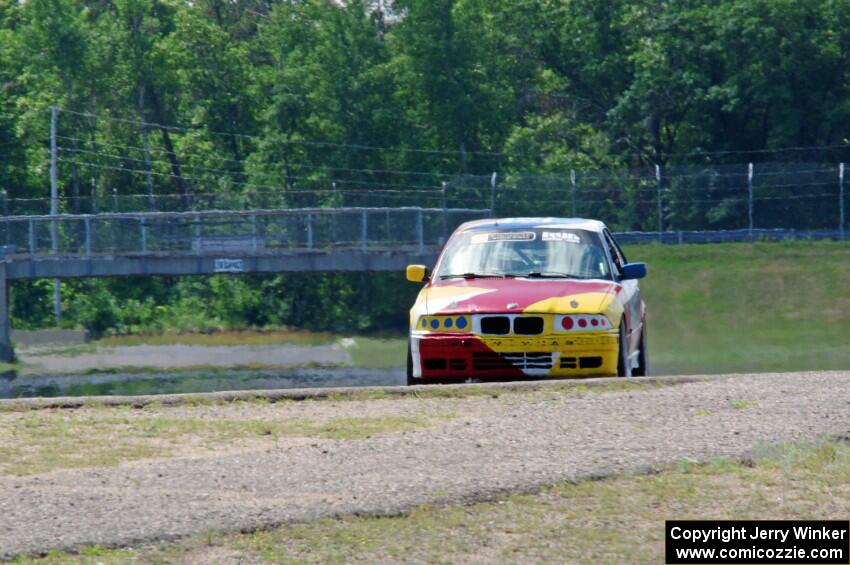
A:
(615, 520)
(379, 353)
(742, 307)
(740, 404)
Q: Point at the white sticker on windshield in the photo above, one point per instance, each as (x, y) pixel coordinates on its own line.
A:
(569, 237)
(503, 236)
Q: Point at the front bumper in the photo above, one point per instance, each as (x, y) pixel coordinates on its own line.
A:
(588, 354)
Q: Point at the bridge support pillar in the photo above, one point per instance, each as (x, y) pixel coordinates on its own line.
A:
(7, 353)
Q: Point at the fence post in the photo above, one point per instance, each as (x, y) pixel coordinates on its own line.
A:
(420, 235)
(309, 231)
(364, 230)
(841, 200)
(87, 222)
(254, 233)
(493, 195)
(197, 234)
(54, 207)
(750, 199)
(445, 213)
(144, 228)
(660, 203)
(54, 177)
(6, 213)
(573, 189)
(32, 237)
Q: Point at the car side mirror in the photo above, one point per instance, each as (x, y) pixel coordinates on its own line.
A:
(633, 271)
(417, 273)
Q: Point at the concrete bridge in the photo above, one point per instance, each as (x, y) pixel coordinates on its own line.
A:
(209, 242)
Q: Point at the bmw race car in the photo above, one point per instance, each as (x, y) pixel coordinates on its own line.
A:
(528, 297)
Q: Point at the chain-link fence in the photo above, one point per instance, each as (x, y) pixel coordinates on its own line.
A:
(791, 196)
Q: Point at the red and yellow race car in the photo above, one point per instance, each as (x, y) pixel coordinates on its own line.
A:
(528, 297)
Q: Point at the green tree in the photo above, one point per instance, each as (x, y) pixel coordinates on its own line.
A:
(454, 92)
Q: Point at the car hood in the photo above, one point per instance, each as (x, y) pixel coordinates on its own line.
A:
(474, 296)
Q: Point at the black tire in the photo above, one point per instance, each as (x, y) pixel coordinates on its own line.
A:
(642, 370)
(410, 379)
(624, 368)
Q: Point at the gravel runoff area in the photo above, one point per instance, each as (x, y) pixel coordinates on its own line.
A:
(520, 443)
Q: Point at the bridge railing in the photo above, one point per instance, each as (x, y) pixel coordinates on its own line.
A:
(232, 232)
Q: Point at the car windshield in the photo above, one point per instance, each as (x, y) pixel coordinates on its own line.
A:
(532, 253)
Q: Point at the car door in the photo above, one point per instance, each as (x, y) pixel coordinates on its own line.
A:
(630, 295)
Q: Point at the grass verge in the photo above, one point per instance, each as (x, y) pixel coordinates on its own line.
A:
(378, 353)
(747, 307)
(614, 520)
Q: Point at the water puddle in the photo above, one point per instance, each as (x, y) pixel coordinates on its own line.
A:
(13, 385)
